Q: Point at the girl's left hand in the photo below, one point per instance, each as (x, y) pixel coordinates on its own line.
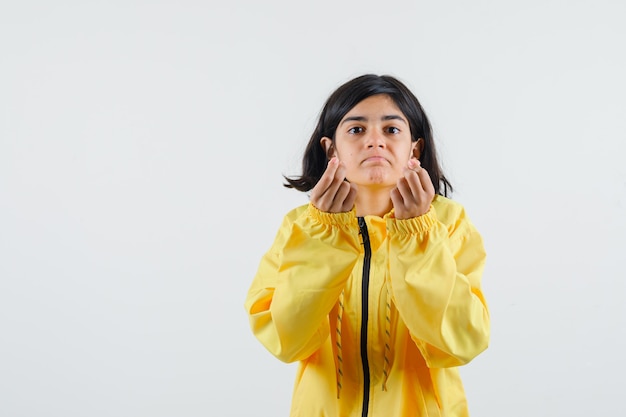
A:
(413, 193)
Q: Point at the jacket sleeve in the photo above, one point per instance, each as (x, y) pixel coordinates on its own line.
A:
(435, 276)
(299, 281)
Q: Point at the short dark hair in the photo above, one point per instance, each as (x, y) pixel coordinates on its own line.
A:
(341, 101)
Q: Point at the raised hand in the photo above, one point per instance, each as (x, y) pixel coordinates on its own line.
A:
(332, 193)
(413, 193)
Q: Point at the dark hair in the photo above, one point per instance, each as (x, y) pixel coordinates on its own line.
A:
(340, 102)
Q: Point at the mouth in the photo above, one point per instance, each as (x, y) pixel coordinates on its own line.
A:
(376, 159)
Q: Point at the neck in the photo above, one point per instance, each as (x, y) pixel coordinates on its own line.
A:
(376, 202)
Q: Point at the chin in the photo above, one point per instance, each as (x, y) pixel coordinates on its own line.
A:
(382, 179)
(381, 174)
(376, 177)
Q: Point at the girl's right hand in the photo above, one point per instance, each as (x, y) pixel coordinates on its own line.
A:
(332, 193)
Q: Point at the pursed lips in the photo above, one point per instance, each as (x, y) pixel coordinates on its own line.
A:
(375, 158)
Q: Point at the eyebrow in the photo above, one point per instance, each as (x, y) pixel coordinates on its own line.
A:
(364, 119)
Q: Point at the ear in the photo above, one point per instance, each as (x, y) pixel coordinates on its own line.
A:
(417, 148)
(329, 148)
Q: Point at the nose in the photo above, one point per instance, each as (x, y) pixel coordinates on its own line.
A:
(375, 140)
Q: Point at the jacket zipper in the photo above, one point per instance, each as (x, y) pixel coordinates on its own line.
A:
(364, 315)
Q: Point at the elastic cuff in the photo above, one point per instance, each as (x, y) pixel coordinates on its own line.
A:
(331, 219)
(415, 225)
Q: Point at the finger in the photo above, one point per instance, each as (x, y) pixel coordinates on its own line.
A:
(326, 200)
(348, 203)
(426, 182)
(397, 200)
(325, 181)
(406, 192)
(329, 173)
(340, 197)
(412, 180)
(414, 164)
(414, 170)
(336, 181)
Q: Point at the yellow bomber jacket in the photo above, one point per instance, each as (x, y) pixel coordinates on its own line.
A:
(379, 312)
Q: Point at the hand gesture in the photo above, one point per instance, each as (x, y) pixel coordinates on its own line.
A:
(332, 193)
(413, 193)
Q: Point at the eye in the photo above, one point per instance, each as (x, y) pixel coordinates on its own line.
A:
(393, 130)
(355, 130)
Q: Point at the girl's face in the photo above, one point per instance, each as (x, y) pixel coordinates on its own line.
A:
(373, 140)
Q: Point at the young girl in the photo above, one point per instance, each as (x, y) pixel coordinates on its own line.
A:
(374, 285)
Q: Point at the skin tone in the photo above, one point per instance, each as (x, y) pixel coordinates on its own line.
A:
(374, 164)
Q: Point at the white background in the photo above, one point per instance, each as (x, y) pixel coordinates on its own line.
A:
(142, 147)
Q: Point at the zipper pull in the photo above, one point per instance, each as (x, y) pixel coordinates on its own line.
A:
(363, 230)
